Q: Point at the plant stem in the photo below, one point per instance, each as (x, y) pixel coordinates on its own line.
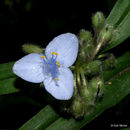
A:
(83, 79)
(78, 80)
(95, 37)
(101, 42)
(75, 85)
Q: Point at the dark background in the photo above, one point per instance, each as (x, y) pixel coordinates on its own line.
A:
(39, 21)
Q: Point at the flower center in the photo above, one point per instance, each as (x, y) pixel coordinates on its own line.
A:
(51, 66)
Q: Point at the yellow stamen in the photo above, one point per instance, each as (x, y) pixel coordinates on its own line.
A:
(58, 64)
(42, 56)
(56, 79)
(54, 53)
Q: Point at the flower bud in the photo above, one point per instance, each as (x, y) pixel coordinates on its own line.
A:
(78, 107)
(98, 20)
(84, 93)
(96, 87)
(84, 37)
(89, 49)
(109, 63)
(86, 46)
(106, 33)
(93, 68)
(30, 48)
(87, 96)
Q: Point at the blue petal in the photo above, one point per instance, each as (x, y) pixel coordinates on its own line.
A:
(30, 68)
(66, 45)
(62, 89)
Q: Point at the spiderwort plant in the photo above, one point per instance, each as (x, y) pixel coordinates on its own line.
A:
(51, 68)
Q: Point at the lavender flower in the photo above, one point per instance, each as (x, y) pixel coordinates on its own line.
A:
(51, 68)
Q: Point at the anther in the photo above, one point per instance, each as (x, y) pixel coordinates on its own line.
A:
(54, 53)
(56, 79)
(42, 56)
(58, 64)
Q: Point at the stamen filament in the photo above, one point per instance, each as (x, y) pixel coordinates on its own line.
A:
(44, 59)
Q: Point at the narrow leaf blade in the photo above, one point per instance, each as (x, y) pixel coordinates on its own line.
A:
(123, 30)
(41, 120)
(6, 70)
(120, 9)
(7, 86)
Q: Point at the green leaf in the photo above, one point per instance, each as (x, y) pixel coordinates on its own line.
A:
(41, 120)
(6, 70)
(7, 86)
(7, 79)
(120, 19)
(123, 30)
(119, 11)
